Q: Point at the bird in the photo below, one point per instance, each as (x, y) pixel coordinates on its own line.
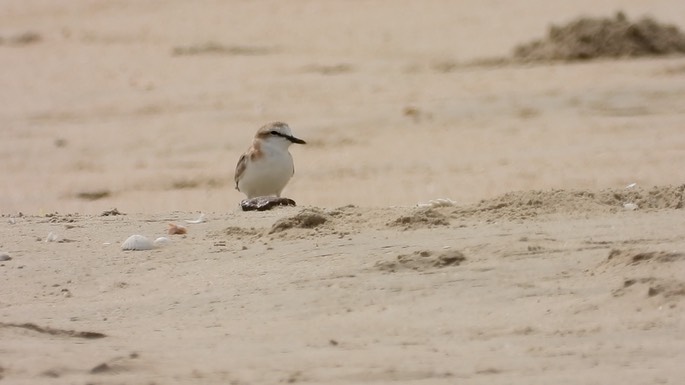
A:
(267, 166)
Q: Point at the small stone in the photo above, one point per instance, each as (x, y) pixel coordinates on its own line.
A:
(265, 203)
(102, 368)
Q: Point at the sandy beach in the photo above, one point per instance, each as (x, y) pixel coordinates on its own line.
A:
(460, 219)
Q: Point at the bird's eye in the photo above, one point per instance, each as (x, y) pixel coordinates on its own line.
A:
(275, 133)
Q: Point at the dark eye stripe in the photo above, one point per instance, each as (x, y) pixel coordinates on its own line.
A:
(286, 136)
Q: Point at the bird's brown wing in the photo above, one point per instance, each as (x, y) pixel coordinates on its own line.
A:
(239, 169)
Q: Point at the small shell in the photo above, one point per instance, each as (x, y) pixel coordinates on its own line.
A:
(5, 257)
(137, 242)
(162, 241)
(176, 229)
(440, 202)
(201, 219)
(52, 237)
(631, 185)
(630, 206)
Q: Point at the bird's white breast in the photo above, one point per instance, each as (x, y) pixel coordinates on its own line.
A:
(268, 174)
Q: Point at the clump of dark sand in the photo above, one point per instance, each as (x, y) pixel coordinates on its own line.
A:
(21, 39)
(422, 261)
(632, 257)
(590, 38)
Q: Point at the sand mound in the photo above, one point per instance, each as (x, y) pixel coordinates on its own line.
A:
(234, 232)
(523, 205)
(420, 219)
(422, 261)
(590, 38)
(529, 204)
(661, 197)
(305, 219)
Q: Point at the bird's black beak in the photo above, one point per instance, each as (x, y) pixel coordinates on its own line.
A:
(295, 140)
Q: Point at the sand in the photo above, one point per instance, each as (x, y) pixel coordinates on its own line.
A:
(545, 267)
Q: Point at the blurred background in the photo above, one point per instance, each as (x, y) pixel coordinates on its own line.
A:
(146, 106)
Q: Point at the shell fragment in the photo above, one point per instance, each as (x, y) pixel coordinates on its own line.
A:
(137, 242)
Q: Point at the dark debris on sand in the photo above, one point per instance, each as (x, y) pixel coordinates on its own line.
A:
(265, 203)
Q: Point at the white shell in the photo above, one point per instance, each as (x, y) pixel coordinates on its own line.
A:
(137, 242)
(52, 237)
(201, 219)
(440, 202)
(162, 241)
(630, 206)
(631, 185)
